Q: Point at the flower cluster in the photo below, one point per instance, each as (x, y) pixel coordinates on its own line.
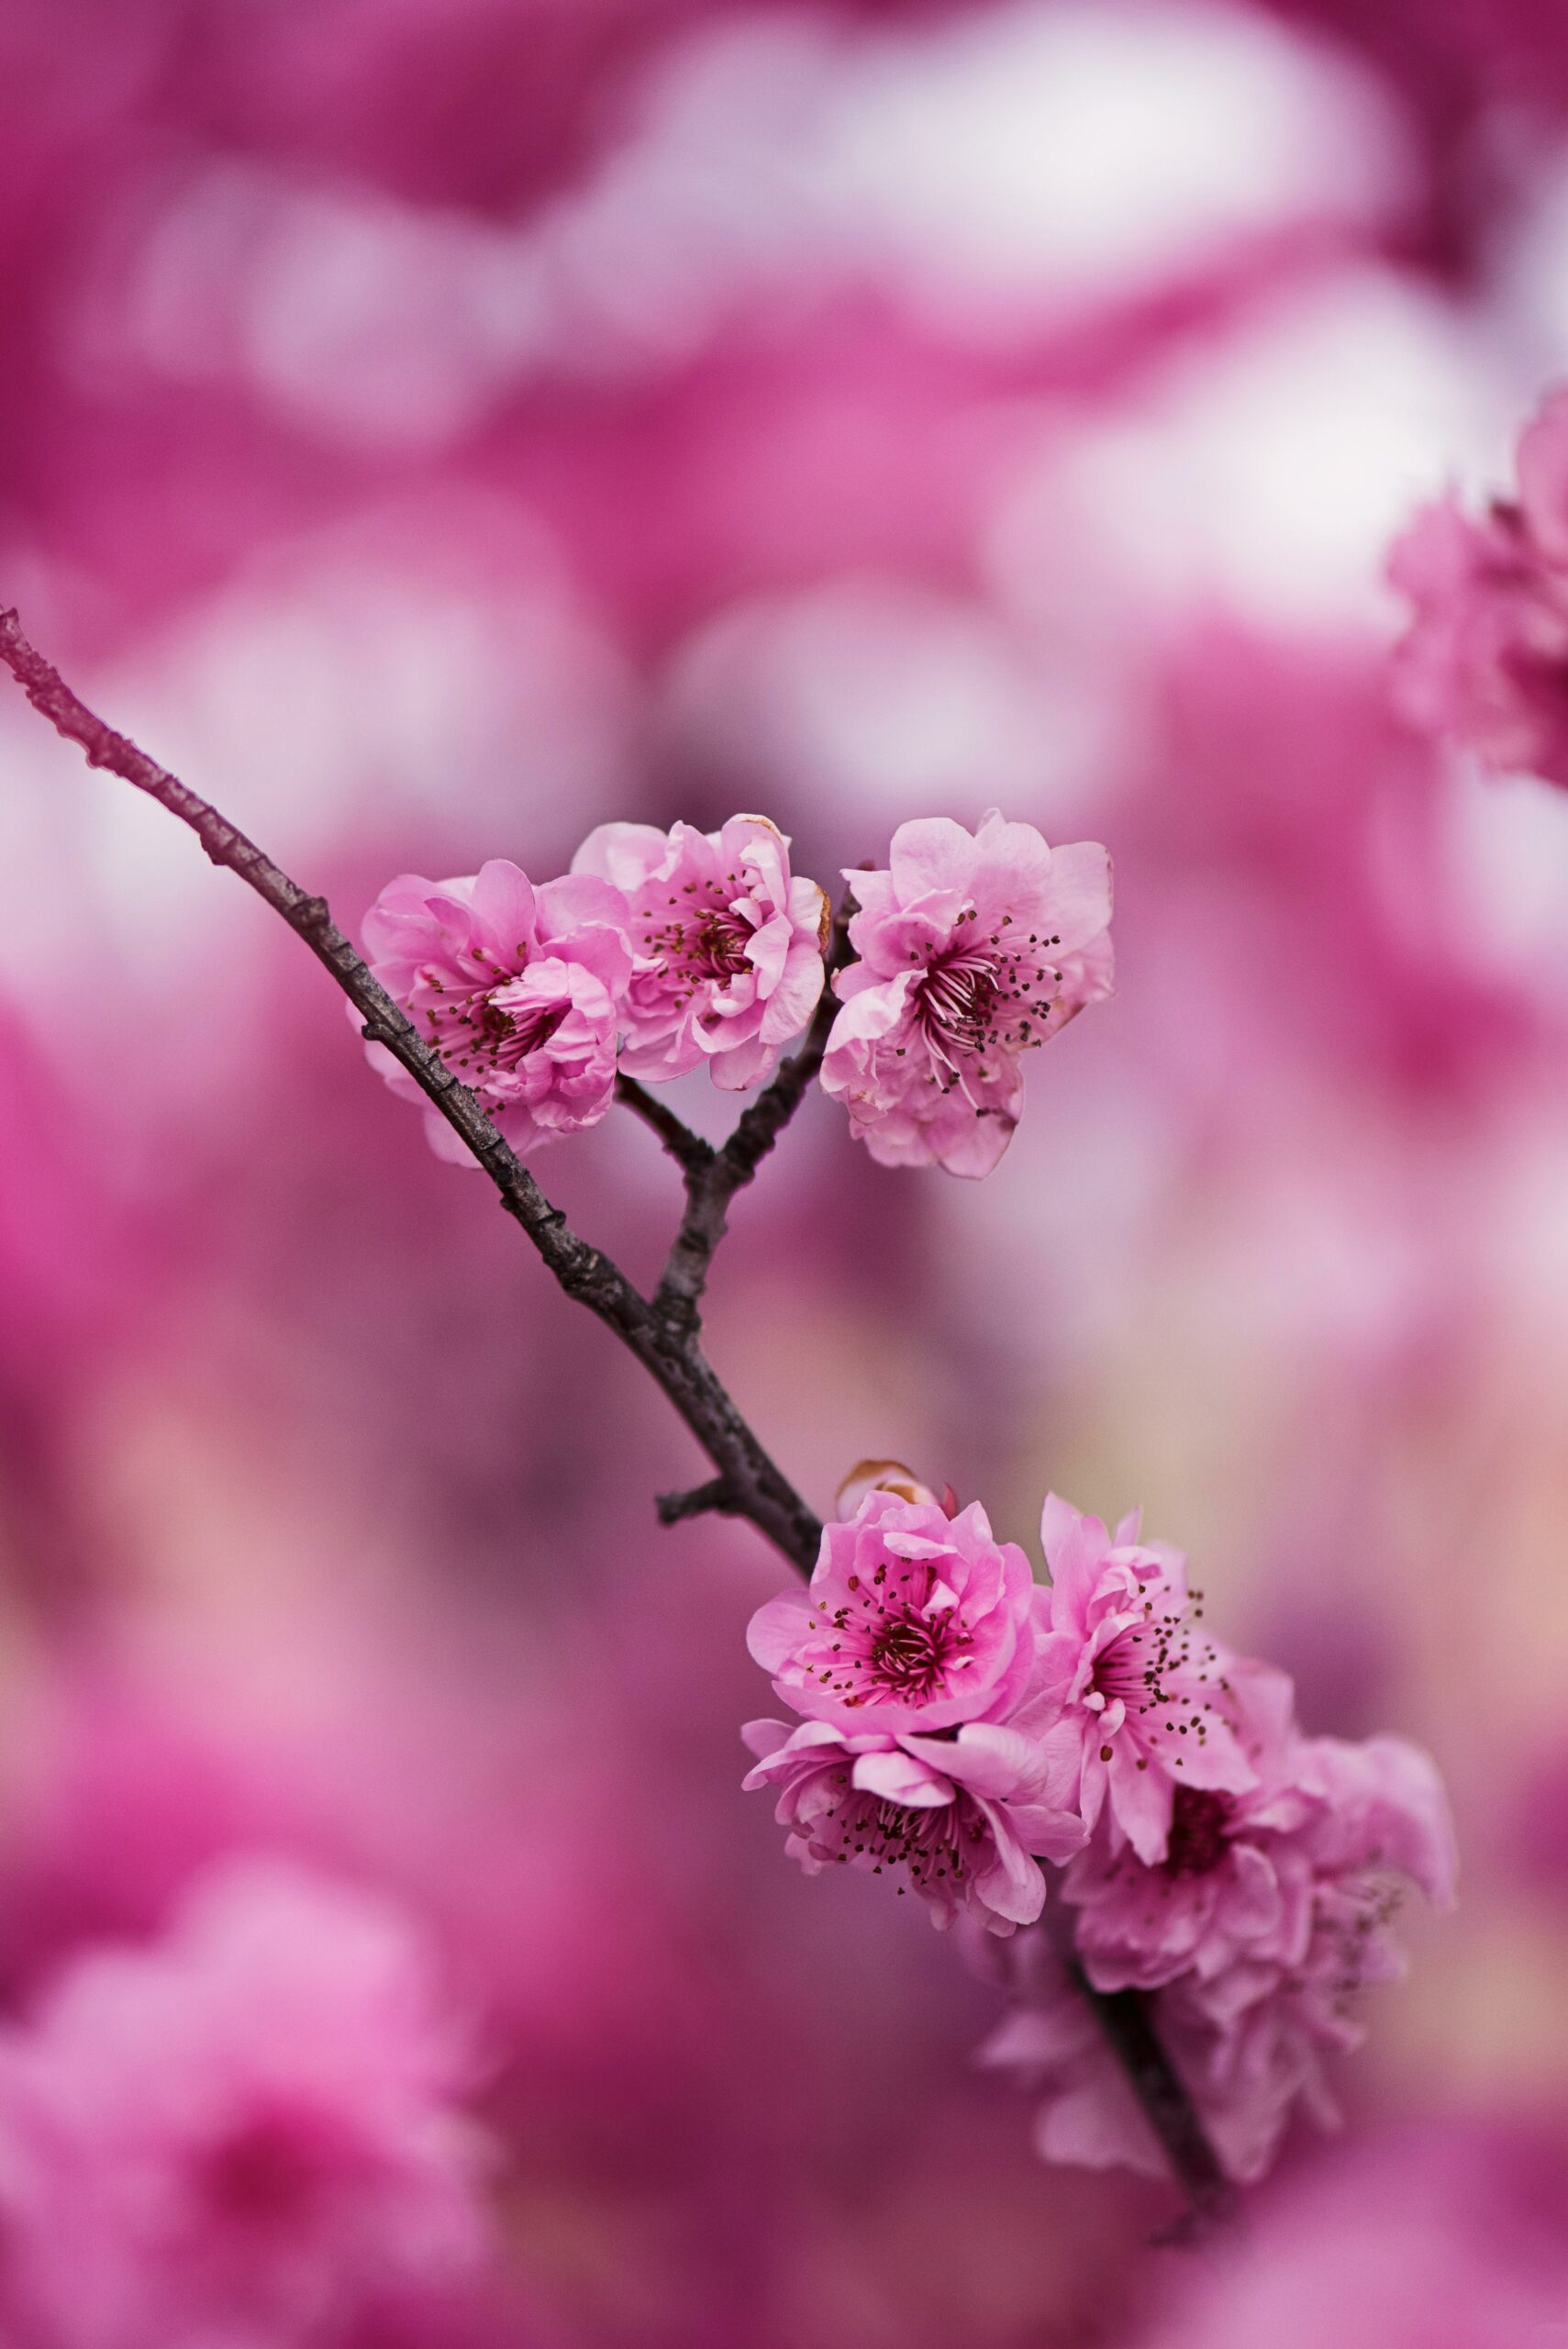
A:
(661, 952)
(961, 1725)
(1484, 662)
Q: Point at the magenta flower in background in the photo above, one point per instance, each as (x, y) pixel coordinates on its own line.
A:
(911, 1622)
(1484, 662)
(1449, 2236)
(729, 947)
(249, 2133)
(967, 1817)
(518, 988)
(1145, 1689)
(974, 947)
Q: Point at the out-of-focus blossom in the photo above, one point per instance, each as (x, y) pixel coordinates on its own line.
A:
(518, 988)
(1142, 1687)
(249, 2134)
(729, 946)
(966, 1816)
(974, 947)
(911, 1620)
(1277, 1961)
(1484, 662)
(1447, 2237)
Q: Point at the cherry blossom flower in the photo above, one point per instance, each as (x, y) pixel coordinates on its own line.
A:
(974, 947)
(248, 2132)
(1147, 1692)
(518, 988)
(911, 1622)
(1484, 662)
(1236, 1879)
(967, 1816)
(1274, 1966)
(729, 947)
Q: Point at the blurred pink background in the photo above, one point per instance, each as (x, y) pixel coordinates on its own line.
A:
(436, 427)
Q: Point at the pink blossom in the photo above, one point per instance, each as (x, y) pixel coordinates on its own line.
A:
(912, 1622)
(1444, 2236)
(1236, 1881)
(248, 2134)
(729, 947)
(1486, 659)
(519, 990)
(1144, 1688)
(974, 947)
(968, 1816)
(1276, 1968)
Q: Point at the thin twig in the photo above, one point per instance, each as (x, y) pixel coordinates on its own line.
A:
(689, 1151)
(710, 1187)
(661, 1333)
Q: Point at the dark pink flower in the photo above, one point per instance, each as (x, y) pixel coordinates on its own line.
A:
(1146, 1690)
(911, 1622)
(249, 2132)
(1484, 662)
(519, 990)
(967, 1816)
(974, 947)
(729, 947)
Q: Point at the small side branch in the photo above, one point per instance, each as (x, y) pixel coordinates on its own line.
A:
(710, 1187)
(691, 1153)
(718, 1496)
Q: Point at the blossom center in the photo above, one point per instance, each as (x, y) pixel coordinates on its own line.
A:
(909, 1654)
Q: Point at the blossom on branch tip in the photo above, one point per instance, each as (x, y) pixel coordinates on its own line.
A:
(729, 946)
(974, 947)
(911, 1622)
(248, 2132)
(967, 1816)
(1484, 661)
(519, 990)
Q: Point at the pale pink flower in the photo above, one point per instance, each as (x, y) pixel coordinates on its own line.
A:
(968, 1816)
(519, 990)
(729, 946)
(1486, 659)
(912, 1621)
(974, 947)
(1124, 1658)
(248, 2134)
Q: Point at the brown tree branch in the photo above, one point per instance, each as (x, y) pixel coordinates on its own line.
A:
(689, 1151)
(662, 1334)
(712, 1183)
